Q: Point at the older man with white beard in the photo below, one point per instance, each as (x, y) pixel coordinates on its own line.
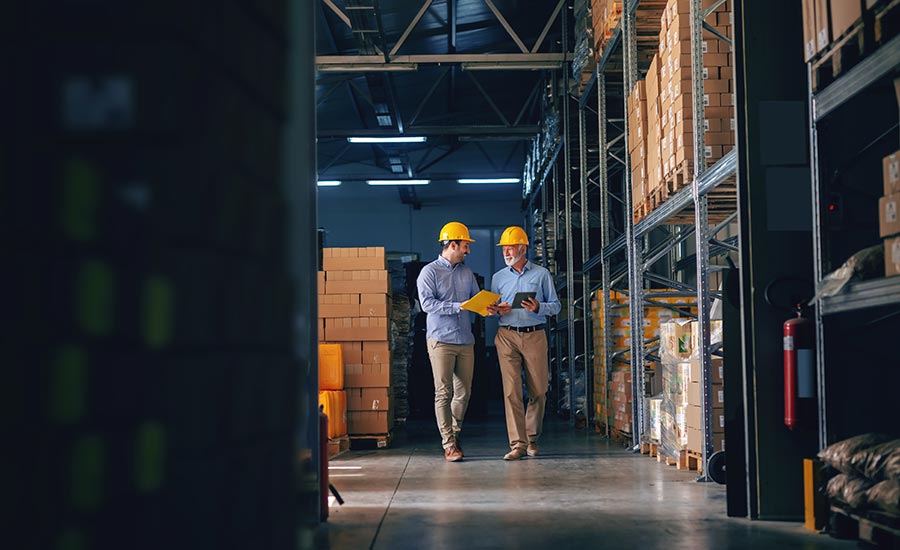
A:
(522, 339)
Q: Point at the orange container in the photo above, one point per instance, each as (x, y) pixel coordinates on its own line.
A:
(334, 403)
(331, 367)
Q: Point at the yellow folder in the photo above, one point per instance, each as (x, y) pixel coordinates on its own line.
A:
(480, 302)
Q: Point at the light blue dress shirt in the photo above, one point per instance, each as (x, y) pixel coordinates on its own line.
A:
(534, 278)
(442, 288)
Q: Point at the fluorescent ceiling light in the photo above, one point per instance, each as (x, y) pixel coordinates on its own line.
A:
(511, 66)
(396, 139)
(365, 67)
(329, 183)
(398, 182)
(489, 180)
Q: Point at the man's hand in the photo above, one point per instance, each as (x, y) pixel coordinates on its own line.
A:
(500, 308)
(531, 305)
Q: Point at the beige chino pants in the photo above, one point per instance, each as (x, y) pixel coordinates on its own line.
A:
(453, 366)
(513, 349)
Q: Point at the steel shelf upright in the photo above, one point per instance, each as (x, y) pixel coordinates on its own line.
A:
(824, 104)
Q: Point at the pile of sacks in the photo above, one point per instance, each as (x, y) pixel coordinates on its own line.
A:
(864, 472)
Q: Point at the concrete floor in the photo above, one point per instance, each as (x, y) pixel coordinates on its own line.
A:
(581, 492)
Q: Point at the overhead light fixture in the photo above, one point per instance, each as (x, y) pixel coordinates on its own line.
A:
(398, 182)
(511, 66)
(328, 183)
(365, 67)
(394, 139)
(489, 180)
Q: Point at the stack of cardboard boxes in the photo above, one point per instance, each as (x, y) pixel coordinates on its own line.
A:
(605, 15)
(354, 311)
(694, 418)
(676, 97)
(826, 21)
(614, 399)
(660, 109)
(888, 214)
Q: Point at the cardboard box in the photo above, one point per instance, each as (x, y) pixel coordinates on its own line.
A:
(889, 222)
(815, 505)
(338, 305)
(844, 13)
(695, 441)
(892, 257)
(353, 259)
(809, 25)
(369, 422)
(716, 86)
(357, 329)
(695, 398)
(351, 352)
(367, 376)
(694, 418)
(375, 352)
(374, 305)
(321, 283)
(891, 170)
(823, 37)
(715, 367)
(716, 59)
(368, 399)
(357, 282)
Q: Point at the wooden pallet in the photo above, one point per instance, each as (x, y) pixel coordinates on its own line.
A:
(695, 462)
(887, 21)
(650, 448)
(679, 461)
(842, 55)
(338, 446)
(873, 529)
(380, 441)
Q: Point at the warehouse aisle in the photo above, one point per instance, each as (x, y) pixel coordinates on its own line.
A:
(581, 492)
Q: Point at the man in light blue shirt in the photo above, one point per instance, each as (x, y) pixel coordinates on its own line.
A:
(522, 338)
(443, 286)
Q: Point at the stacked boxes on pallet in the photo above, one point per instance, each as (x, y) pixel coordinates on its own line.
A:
(354, 311)
(660, 109)
(614, 398)
(826, 21)
(889, 220)
(674, 353)
(605, 17)
(676, 96)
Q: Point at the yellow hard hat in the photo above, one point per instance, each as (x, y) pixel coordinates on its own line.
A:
(454, 231)
(513, 235)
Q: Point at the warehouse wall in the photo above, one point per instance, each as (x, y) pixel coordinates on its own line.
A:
(389, 223)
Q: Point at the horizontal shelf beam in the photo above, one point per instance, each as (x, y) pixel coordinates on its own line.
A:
(862, 295)
(871, 69)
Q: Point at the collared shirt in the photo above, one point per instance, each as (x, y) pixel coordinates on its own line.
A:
(442, 288)
(533, 278)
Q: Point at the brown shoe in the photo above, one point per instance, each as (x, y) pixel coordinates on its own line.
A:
(532, 449)
(514, 454)
(452, 454)
(459, 447)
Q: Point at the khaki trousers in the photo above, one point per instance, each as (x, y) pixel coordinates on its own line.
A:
(513, 348)
(452, 366)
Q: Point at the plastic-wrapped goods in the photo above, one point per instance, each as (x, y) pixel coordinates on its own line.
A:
(849, 489)
(675, 340)
(654, 406)
(840, 454)
(879, 462)
(885, 496)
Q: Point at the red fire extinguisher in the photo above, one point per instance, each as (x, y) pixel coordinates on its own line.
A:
(799, 353)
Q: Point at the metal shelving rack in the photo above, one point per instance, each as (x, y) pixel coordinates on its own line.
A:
(860, 295)
(631, 273)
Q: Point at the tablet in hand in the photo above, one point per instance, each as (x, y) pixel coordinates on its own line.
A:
(520, 297)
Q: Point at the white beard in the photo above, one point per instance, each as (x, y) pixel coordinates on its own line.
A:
(512, 261)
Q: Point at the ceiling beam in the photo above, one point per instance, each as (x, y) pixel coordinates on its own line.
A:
(501, 61)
